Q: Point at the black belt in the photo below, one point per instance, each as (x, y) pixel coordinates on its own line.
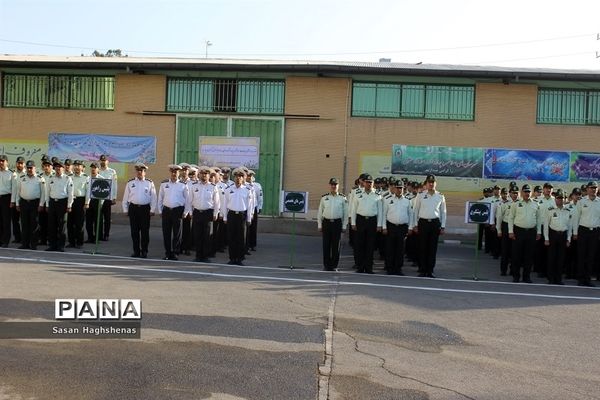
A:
(429, 219)
(391, 223)
(561, 232)
(366, 217)
(138, 205)
(332, 220)
(585, 228)
(171, 208)
(203, 211)
(524, 229)
(63, 199)
(236, 212)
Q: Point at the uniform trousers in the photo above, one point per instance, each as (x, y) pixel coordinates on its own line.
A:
(429, 234)
(505, 257)
(236, 221)
(57, 208)
(541, 257)
(523, 249)
(394, 252)
(91, 221)
(75, 221)
(331, 230)
(201, 226)
(586, 252)
(556, 255)
(43, 226)
(139, 223)
(171, 228)
(364, 242)
(570, 268)
(5, 219)
(252, 231)
(219, 235)
(29, 222)
(106, 211)
(186, 236)
(16, 223)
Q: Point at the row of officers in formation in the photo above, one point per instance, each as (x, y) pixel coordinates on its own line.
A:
(394, 216)
(201, 209)
(548, 231)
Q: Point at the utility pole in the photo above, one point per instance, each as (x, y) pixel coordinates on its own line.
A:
(206, 44)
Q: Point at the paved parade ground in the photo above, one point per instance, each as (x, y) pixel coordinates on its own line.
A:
(259, 331)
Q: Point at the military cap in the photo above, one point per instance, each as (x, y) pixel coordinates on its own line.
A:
(3, 157)
(496, 187)
(46, 161)
(592, 184)
(503, 191)
(362, 176)
(225, 170)
(487, 190)
(250, 172)
(384, 180)
(368, 178)
(184, 165)
(333, 181)
(53, 160)
(77, 162)
(559, 193)
(204, 169)
(244, 168)
(30, 163)
(192, 170)
(576, 191)
(20, 159)
(512, 183)
(174, 167)
(139, 166)
(514, 189)
(377, 180)
(57, 163)
(68, 161)
(217, 170)
(399, 183)
(537, 188)
(392, 180)
(194, 166)
(526, 188)
(103, 157)
(583, 187)
(93, 165)
(238, 172)
(548, 185)
(430, 178)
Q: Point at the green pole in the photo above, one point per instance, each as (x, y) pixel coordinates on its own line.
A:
(475, 278)
(100, 202)
(293, 240)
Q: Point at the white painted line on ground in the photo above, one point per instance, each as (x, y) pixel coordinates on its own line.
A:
(312, 281)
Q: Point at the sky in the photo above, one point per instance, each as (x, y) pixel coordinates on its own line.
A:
(507, 33)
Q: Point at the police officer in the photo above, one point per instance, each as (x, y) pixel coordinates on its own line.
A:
(204, 204)
(557, 234)
(7, 178)
(59, 200)
(108, 173)
(586, 230)
(172, 197)
(366, 219)
(545, 200)
(15, 214)
(139, 203)
(258, 204)
(332, 219)
(430, 215)
(524, 227)
(398, 221)
(30, 198)
(502, 217)
(76, 217)
(570, 268)
(92, 222)
(47, 173)
(238, 201)
(185, 176)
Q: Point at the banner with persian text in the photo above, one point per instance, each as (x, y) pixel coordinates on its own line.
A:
(585, 166)
(124, 149)
(229, 151)
(437, 160)
(527, 165)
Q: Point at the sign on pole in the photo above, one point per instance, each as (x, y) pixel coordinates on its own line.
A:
(479, 212)
(100, 188)
(295, 202)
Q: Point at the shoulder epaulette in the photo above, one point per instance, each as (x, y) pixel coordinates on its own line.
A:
(132, 179)
(165, 181)
(83, 174)
(342, 194)
(149, 180)
(325, 195)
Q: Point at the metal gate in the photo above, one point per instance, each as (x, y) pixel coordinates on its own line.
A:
(269, 130)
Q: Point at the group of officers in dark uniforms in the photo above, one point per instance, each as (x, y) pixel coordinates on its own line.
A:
(201, 209)
(395, 216)
(35, 204)
(550, 232)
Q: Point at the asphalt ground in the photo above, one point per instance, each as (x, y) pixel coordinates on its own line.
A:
(268, 331)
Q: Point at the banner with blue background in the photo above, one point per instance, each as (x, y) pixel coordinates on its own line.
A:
(123, 149)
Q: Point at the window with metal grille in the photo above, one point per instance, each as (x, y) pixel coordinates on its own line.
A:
(568, 106)
(58, 91)
(401, 100)
(242, 96)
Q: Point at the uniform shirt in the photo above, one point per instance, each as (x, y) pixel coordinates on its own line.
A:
(333, 206)
(258, 195)
(502, 213)
(587, 213)
(81, 183)
(7, 178)
(172, 194)
(398, 211)
(30, 188)
(139, 192)
(238, 199)
(221, 186)
(430, 206)
(558, 219)
(526, 215)
(60, 187)
(203, 196)
(351, 195)
(111, 174)
(545, 203)
(367, 205)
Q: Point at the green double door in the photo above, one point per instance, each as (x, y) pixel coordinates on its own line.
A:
(270, 132)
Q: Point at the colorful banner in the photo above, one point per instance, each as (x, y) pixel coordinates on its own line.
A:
(526, 165)
(125, 149)
(229, 151)
(585, 166)
(437, 160)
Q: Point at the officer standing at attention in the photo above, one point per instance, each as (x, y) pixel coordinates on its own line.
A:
(108, 173)
(502, 217)
(398, 220)
(59, 200)
(76, 218)
(91, 206)
(29, 199)
(203, 203)
(15, 215)
(258, 204)
(586, 230)
(430, 216)
(545, 200)
(172, 197)
(238, 201)
(47, 173)
(7, 179)
(557, 235)
(139, 203)
(524, 227)
(332, 219)
(366, 219)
